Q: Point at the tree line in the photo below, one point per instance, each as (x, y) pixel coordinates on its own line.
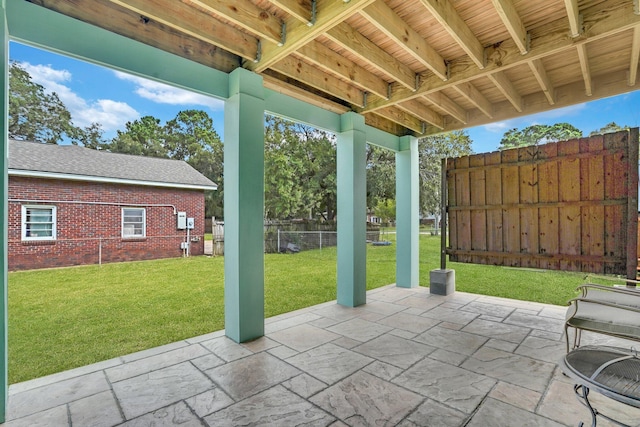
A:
(300, 161)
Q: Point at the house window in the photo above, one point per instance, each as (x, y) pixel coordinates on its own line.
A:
(38, 222)
(133, 222)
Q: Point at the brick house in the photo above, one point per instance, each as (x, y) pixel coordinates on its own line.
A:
(71, 205)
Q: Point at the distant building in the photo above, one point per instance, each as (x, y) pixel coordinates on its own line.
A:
(71, 205)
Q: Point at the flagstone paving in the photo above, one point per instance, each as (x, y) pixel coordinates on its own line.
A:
(406, 358)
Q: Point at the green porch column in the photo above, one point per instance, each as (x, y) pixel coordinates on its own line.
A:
(243, 207)
(352, 211)
(4, 215)
(407, 213)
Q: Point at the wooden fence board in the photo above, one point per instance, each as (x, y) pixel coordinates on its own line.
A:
(570, 205)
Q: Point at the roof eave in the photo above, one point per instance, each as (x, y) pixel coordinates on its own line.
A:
(109, 180)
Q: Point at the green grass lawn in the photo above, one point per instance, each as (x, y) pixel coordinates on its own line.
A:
(69, 317)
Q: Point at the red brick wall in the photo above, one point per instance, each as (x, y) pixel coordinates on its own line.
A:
(88, 232)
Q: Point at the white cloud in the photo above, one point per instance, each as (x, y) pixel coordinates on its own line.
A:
(112, 115)
(546, 117)
(498, 127)
(165, 94)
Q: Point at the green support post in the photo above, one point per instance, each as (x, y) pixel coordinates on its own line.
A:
(4, 217)
(352, 205)
(407, 213)
(243, 207)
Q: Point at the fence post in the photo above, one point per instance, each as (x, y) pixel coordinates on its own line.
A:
(100, 251)
(278, 248)
(320, 239)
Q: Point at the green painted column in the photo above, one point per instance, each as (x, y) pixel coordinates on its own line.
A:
(4, 215)
(243, 207)
(407, 213)
(352, 211)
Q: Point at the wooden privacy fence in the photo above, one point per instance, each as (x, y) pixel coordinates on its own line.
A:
(571, 205)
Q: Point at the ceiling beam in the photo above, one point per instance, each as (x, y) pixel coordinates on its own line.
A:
(299, 9)
(512, 21)
(505, 86)
(635, 55)
(573, 14)
(584, 66)
(329, 14)
(538, 70)
(599, 25)
(473, 95)
(336, 64)
(422, 112)
(277, 85)
(308, 74)
(446, 15)
(128, 24)
(403, 118)
(450, 107)
(387, 21)
(359, 45)
(246, 15)
(188, 20)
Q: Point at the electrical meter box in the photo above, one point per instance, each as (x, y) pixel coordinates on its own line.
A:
(190, 223)
(182, 220)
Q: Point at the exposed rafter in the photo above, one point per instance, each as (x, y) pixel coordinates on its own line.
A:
(423, 112)
(573, 14)
(402, 118)
(503, 83)
(473, 95)
(538, 70)
(185, 18)
(514, 24)
(450, 107)
(387, 21)
(338, 65)
(586, 70)
(359, 45)
(299, 9)
(447, 16)
(329, 14)
(246, 15)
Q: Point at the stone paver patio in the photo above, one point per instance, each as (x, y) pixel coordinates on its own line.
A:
(406, 358)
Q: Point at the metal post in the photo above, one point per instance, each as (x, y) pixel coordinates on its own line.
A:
(100, 251)
(278, 250)
(320, 239)
(443, 216)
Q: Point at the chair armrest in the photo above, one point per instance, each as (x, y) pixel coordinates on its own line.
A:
(577, 300)
(584, 289)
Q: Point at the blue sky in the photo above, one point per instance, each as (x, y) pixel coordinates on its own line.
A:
(97, 94)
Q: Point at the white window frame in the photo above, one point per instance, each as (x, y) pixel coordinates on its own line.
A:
(126, 235)
(25, 230)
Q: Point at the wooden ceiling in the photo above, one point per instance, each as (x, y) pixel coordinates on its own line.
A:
(411, 67)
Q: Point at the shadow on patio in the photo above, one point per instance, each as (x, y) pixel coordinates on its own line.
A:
(406, 358)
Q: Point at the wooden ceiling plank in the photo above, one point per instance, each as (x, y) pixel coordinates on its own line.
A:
(308, 74)
(423, 112)
(402, 118)
(584, 66)
(512, 21)
(357, 44)
(573, 14)
(444, 102)
(387, 21)
(538, 70)
(188, 20)
(128, 24)
(299, 9)
(329, 14)
(635, 56)
(246, 15)
(334, 63)
(599, 25)
(505, 86)
(473, 95)
(444, 12)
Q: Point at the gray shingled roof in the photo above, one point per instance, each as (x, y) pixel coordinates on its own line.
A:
(81, 161)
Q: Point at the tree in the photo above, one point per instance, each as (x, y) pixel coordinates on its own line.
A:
(381, 177)
(432, 150)
(537, 134)
(35, 115)
(608, 128)
(142, 137)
